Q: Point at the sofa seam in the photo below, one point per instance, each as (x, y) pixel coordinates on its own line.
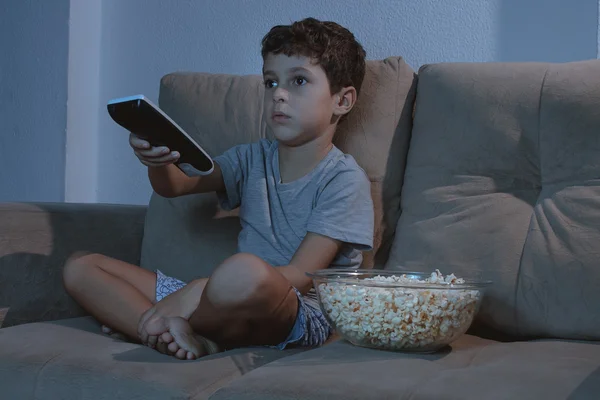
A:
(39, 372)
(519, 267)
(397, 93)
(540, 123)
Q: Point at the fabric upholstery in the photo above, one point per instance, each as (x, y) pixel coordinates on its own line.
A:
(503, 182)
(183, 237)
(471, 369)
(71, 359)
(37, 238)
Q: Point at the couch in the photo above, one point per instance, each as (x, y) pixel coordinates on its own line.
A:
(486, 169)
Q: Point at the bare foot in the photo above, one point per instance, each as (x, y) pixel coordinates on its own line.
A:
(171, 346)
(117, 335)
(180, 340)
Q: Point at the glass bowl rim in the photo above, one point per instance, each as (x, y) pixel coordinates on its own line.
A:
(332, 275)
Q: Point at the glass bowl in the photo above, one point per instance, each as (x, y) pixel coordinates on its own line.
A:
(397, 310)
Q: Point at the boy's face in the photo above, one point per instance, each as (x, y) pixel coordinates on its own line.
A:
(298, 105)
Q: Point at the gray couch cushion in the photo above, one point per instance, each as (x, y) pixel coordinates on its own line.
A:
(70, 359)
(185, 238)
(37, 238)
(502, 179)
(473, 368)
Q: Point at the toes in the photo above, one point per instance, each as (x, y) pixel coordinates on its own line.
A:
(166, 337)
(113, 334)
(183, 335)
(162, 347)
(181, 354)
(173, 347)
(191, 344)
(191, 356)
(152, 340)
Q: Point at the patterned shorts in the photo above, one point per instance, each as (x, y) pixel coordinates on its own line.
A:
(311, 329)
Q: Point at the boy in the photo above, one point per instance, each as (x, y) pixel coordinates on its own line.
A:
(304, 206)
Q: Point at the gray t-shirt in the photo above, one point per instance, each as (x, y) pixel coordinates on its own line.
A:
(333, 200)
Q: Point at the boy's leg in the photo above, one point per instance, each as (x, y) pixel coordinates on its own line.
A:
(246, 302)
(114, 292)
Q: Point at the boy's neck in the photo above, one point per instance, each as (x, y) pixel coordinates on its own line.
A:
(297, 161)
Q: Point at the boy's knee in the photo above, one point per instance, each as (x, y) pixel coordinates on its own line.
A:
(76, 267)
(241, 279)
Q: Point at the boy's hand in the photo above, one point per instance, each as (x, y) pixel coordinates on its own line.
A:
(181, 303)
(149, 155)
(152, 323)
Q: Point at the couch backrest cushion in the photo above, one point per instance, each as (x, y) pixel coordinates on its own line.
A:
(503, 179)
(187, 237)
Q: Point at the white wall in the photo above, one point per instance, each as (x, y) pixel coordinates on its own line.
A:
(225, 37)
(547, 30)
(34, 41)
(135, 42)
(84, 109)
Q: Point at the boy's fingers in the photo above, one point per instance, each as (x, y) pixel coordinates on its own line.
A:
(158, 161)
(153, 152)
(136, 141)
(155, 165)
(144, 336)
(143, 319)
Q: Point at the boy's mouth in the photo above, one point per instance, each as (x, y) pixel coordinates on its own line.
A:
(278, 116)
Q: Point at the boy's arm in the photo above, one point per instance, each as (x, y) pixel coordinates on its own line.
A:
(166, 179)
(344, 214)
(315, 252)
(170, 181)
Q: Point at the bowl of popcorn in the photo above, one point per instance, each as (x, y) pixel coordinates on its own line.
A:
(396, 310)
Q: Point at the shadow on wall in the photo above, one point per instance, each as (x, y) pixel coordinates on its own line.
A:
(547, 30)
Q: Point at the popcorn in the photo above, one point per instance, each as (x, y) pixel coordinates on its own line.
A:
(398, 318)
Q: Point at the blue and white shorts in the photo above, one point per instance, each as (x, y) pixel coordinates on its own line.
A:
(311, 329)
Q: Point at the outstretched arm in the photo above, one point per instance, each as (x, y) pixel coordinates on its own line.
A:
(166, 179)
(314, 253)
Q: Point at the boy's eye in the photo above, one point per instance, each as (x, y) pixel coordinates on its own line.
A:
(270, 83)
(299, 80)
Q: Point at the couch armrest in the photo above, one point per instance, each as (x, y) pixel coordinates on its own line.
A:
(37, 238)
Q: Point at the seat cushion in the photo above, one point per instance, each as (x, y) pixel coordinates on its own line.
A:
(221, 111)
(503, 181)
(71, 359)
(472, 368)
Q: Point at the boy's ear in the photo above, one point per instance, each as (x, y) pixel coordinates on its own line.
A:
(344, 101)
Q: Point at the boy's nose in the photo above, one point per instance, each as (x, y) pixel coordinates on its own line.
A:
(280, 95)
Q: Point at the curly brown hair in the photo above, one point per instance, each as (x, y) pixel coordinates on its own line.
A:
(332, 46)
